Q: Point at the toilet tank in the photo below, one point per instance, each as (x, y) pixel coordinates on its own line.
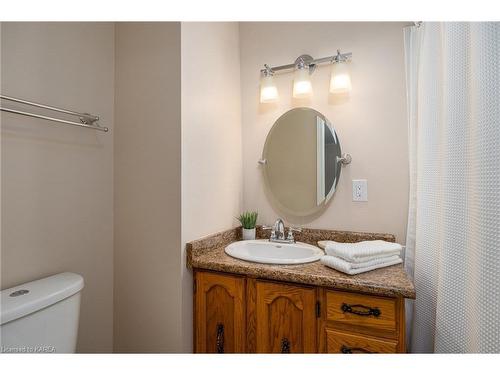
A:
(41, 316)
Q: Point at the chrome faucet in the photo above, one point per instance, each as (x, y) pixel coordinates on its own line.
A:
(279, 229)
(278, 232)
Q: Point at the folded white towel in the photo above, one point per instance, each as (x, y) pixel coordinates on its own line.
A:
(372, 262)
(353, 268)
(362, 251)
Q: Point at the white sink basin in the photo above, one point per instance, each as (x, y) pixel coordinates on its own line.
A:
(264, 251)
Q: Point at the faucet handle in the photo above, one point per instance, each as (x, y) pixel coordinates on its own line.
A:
(273, 230)
(290, 233)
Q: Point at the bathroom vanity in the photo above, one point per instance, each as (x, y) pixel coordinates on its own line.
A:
(244, 307)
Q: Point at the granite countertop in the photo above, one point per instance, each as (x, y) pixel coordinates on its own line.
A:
(208, 253)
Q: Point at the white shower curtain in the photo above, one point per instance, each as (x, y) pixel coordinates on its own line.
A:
(453, 241)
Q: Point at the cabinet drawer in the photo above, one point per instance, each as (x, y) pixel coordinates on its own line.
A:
(347, 343)
(359, 310)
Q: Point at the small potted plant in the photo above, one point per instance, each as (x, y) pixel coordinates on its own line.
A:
(248, 220)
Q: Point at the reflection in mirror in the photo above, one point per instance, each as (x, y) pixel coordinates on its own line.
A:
(301, 170)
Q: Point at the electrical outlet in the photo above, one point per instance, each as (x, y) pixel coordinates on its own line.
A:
(359, 190)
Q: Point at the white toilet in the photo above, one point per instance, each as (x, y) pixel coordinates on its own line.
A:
(41, 316)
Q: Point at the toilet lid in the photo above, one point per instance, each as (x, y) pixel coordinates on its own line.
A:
(27, 298)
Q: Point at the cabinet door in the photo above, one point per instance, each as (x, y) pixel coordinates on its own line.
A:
(285, 318)
(219, 313)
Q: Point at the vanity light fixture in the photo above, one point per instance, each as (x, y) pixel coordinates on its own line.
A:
(340, 79)
(304, 66)
(268, 90)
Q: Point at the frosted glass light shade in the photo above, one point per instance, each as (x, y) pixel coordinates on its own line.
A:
(268, 90)
(302, 87)
(340, 80)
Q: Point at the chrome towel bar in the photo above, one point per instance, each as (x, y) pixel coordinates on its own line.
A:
(86, 120)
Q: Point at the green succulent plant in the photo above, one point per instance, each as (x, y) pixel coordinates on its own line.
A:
(248, 219)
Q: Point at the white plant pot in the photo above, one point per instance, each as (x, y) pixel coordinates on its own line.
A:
(248, 234)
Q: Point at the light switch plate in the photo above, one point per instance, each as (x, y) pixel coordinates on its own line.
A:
(360, 190)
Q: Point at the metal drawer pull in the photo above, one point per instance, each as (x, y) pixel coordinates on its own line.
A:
(346, 350)
(285, 345)
(220, 338)
(360, 310)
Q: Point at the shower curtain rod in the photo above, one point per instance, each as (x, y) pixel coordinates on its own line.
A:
(86, 120)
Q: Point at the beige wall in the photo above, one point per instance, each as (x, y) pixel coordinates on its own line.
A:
(147, 188)
(57, 181)
(371, 125)
(211, 139)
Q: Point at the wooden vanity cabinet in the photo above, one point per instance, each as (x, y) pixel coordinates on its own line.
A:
(238, 314)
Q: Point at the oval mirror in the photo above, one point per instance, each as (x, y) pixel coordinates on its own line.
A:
(300, 159)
